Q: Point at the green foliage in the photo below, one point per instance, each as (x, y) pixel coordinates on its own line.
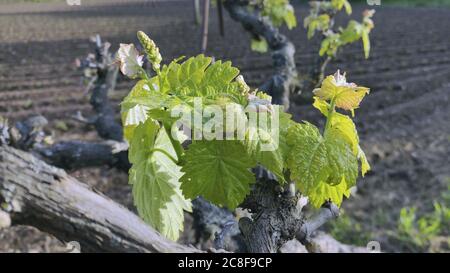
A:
(420, 232)
(259, 45)
(197, 77)
(155, 179)
(317, 23)
(339, 4)
(321, 19)
(347, 230)
(273, 159)
(165, 174)
(324, 167)
(427, 231)
(278, 12)
(219, 171)
(346, 96)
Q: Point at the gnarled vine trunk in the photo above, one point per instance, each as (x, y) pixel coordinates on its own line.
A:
(37, 194)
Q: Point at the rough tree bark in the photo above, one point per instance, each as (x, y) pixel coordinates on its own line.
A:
(37, 194)
(277, 218)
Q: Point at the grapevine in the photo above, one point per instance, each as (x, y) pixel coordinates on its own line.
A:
(170, 167)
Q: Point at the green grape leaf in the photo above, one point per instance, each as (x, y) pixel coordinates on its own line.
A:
(347, 129)
(348, 7)
(307, 160)
(355, 31)
(339, 4)
(136, 115)
(325, 47)
(289, 17)
(330, 45)
(259, 45)
(321, 105)
(219, 73)
(184, 78)
(155, 180)
(343, 123)
(143, 97)
(164, 175)
(342, 162)
(325, 192)
(366, 42)
(142, 141)
(217, 81)
(315, 159)
(217, 170)
(352, 32)
(273, 155)
(365, 166)
(279, 12)
(346, 95)
(314, 22)
(197, 77)
(144, 93)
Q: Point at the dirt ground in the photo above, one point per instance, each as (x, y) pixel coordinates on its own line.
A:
(404, 122)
